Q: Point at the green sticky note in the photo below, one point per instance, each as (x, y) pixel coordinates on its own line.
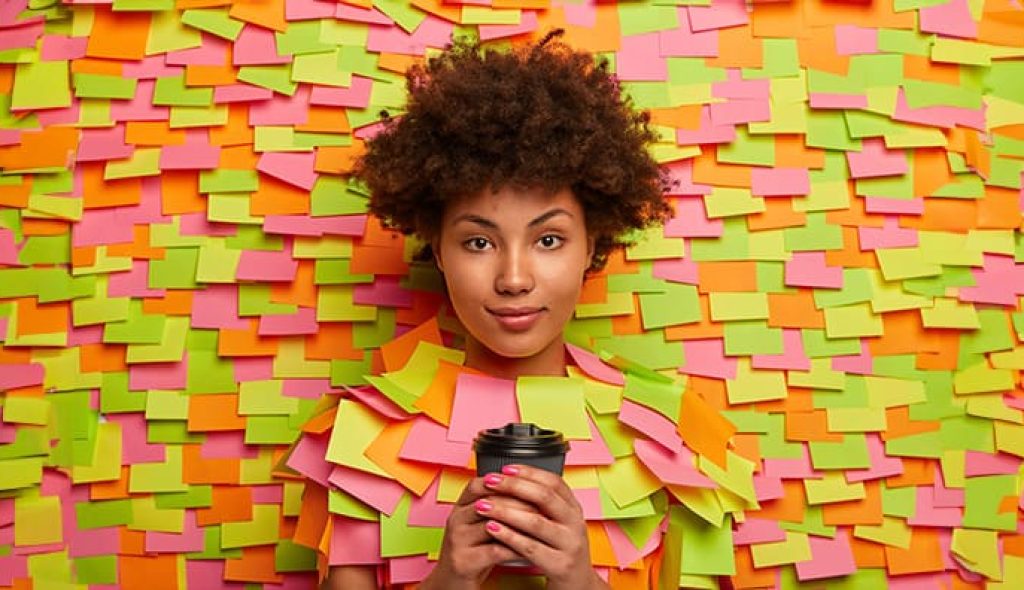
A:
(729, 202)
(338, 502)
(158, 477)
(170, 348)
(320, 68)
(982, 496)
(37, 520)
(41, 85)
(100, 569)
(335, 304)
(664, 398)
(196, 496)
(646, 17)
(738, 306)
(265, 398)
(555, 403)
(270, 430)
(103, 86)
(263, 529)
(747, 149)
(405, 15)
(103, 513)
(177, 270)
(355, 427)
(291, 557)
(677, 304)
(852, 321)
(166, 405)
(850, 453)
(651, 244)
(302, 38)
(707, 550)
(649, 349)
(398, 538)
(752, 385)
(627, 480)
(750, 337)
(172, 91)
(616, 435)
(26, 410)
(277, 78)
(105, 462)
(214, 21)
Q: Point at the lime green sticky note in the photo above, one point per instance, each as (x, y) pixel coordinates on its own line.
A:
(664, 397)
(627, 480)
(99, 569)
(172, 91)
(728, 201)
(103, 86)
(277, 77)
(355, 427)
(103, 513)
(856, 419)
(616, 435)
(850, 321)
(37, 520)
(649, 349)
(158, 477)
(738, 306)
(752, 385)
(555, 403)
(980, 549)
(646, 17)
(833, 487)
(850, 453)
(105, 464)
(270, 430)
(166, 405)
(170, 348)
(265, 398)
(26, 410)
(982, 497)
(677, 304)
(335, 304)
(338, 502)
(263, 529)
(980, 378)
(214, 21)
(320, 68)
(615, 304)
(405, 15)
(398, 538)
(904, 263)
(485, 15)
(706, 549)
(750, 337)
(41, 85)
(177, 269)
(651, 244)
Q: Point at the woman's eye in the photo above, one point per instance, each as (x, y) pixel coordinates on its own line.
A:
(477, 243)
(550, 242)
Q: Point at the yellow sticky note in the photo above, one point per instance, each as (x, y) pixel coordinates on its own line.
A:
(41, 85)
(852, 321)
(796, 547)
(555, 403)
(27, 410)
(833, 487)
(106, 459)
(737, 477)
(979, 378)
(730, 201)
(821, 376)
(855, 419)
(627, 480)
(752, 385)
(905, 263)
(950, 313)
(355, 427)
(889, 392)
(979, 550)
(263, 529)
(892, 531)
(37, 520)
(738, 306)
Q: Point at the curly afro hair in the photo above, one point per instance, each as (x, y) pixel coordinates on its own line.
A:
(540, 116)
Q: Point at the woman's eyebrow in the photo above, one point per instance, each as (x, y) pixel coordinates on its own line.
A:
(483, 221)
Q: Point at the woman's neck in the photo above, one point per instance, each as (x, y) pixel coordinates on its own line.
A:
(549, 361)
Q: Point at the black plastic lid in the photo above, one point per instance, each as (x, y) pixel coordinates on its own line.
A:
(521, 440)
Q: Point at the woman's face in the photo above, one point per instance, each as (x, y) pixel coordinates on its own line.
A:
(514, 262)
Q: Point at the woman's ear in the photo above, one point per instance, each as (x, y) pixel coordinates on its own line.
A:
(435, 249)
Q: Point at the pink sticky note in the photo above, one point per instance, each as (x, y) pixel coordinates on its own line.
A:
(939, 116)
(194, 155)
(302, 321)
(425, 510)
(589, 452)
(927, 514)
(793, 357)
(639, 58)
(858, 364)
(267, 494)
(306, 388)
(170, 375)
(354, 541)
(624, 549)
(308, 458)
(409, 569)
(103, 144)
(683, 41)
(370, 16)
(768, 488)
(256, 46)
(227, 445)
(979, 464)
(259, 265)
(60, 47)
(890, 235)
(212, 52)
(829, 558)
(357, 95)
(945, 497)
(680, 174)
(196, 224)
(378, 492)
(21, 375)
(208, 574)
(652, 424)
(293, 168)
(304, 225)
(134, 447)
(373, 398)
(808, 269)
(139, 107)
(216, 306)
(758, 530)
(773, 182)
(678, 270)
(134, 283)
(590, 502)
(874, 160)
(707, 132)
(481, 402)
(691, 220)
(282, 110)
(253, 368)
(90, 542)
(675, 468)
(735, 86)
(952, 18)
(736, 111)
(999, 281)
(719, 15)
(384, 291)
(240, 93)
(153, 66)
(427, 441)
(527, 23)
(308, 10)
(593, 366)
(854, 40)
(882, 205)
(882, 465)
(191, 539)
(826, 100)
(706, 357)
(799, 468)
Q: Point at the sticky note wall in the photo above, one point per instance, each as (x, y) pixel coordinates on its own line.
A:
(185, 269)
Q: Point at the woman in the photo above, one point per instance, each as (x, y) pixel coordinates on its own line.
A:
(520, 171)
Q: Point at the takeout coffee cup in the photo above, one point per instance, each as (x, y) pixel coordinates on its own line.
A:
(522, 444)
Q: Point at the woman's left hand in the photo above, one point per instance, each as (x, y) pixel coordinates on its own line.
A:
(553, 539)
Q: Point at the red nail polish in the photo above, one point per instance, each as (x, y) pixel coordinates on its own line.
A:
(510, 470)
(492, 479)
(483, 505)
(493, 526)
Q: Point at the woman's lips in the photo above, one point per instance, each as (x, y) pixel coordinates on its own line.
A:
(517, 319)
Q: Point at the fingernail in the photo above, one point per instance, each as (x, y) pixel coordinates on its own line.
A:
(483, 505)
(510, 470)
(492, 479)
(493, 526)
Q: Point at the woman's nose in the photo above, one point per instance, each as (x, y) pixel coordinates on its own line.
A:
(514, 274)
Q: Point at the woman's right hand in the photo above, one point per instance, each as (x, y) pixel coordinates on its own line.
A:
(468, 552)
